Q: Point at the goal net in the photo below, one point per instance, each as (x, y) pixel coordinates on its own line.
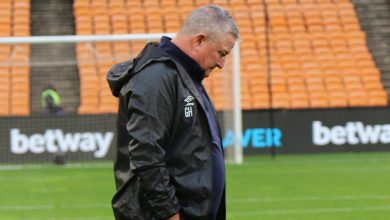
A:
(77, 67)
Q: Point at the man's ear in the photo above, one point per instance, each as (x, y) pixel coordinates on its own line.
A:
(199, 40)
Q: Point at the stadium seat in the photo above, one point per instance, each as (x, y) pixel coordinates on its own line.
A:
(20, 105)
(101, 24)
(202, 2)
(4, 93)
(134, 3)
(4, 110)
(299, 103)
(316, 48)
(280, 100)
(246, 100)
(172, 22)
(254, 2)
(14, 76)
(88, 109)
(299, 99)
(181, 3)
(319, 99)
(377, 97)
(5, 28)
(358, 98)
(20, 109)
(222, 3)
(262, 102)
(119, 24)
(84, 25)
(338, 99)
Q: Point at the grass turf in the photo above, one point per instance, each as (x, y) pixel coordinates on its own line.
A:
(313, 186)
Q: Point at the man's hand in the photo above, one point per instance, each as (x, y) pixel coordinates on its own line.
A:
(175, 217)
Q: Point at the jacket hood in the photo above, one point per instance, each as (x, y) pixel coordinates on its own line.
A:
(121, 73)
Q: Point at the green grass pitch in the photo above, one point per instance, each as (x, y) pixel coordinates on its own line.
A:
(291, 187)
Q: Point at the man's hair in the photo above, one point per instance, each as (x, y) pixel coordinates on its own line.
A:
(211, 20)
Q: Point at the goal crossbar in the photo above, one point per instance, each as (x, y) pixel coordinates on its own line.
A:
(237, 113)
(80, 38)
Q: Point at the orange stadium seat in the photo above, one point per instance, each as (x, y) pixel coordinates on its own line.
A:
(133, 3)
(319, 99)
(182, 3)
(338, 99)
(202, 2)
(318, 53)
(119, 24)
(83, 25)
(4, 93)
(377, 97)
(358, 98)
(14, 75)
(280, 100)
(254, 2)
(299, 99)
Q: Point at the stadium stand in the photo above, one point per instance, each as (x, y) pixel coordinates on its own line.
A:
(310, 53)
(317, 52)
(374, 20)
(321, 43)
(53, 63)
(14, 59)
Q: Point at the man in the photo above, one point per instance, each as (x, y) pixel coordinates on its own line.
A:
(51, 100)
(169, 162)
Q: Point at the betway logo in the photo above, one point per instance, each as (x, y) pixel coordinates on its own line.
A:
(56, 141)
(352, 133)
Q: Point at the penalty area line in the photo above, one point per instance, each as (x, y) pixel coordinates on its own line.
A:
(309, 211)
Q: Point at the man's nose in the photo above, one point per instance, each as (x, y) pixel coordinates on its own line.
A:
(221, 62)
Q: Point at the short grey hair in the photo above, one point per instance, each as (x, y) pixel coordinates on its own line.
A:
(212, 20)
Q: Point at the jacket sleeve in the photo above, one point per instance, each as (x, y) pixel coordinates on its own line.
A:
(151, 106)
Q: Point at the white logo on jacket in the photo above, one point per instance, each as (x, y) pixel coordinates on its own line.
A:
(188, 112)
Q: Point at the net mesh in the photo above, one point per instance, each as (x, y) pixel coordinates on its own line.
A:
(78, 72)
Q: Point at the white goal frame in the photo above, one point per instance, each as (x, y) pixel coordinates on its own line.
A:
(237, 112)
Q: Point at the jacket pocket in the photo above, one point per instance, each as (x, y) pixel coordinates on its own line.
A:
(126, 202)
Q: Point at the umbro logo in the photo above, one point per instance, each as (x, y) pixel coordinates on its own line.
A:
(188, 111)
(189, 100)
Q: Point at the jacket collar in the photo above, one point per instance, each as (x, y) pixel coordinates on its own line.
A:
(191, 66)
(153, 53)
(189, 83)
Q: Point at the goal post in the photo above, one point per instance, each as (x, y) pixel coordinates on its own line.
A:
(237, 112)
(232, 117)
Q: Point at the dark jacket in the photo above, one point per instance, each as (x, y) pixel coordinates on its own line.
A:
(164, 152)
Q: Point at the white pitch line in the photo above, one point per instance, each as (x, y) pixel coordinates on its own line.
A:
(251, 163)
(315, 171)
(52, 166)
(308, 211)
(49, 206)
(80, 218)
(10, 167)
(314, 161)
(75, 218)
(25, 207)
(308, 198)
(236, 200)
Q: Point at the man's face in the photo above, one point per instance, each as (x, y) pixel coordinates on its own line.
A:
(214, 51)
